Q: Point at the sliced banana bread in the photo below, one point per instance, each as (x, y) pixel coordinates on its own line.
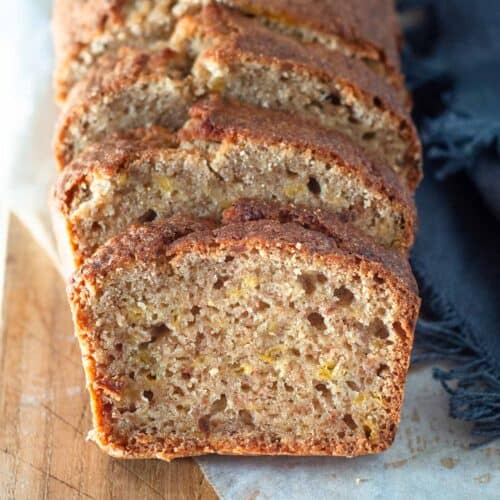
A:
(227, 150)
(365, 29)
(86, 29)
(260, 337)
(126, 90)
(244, 60)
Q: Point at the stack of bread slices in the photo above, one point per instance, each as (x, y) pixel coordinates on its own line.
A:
(235, 202)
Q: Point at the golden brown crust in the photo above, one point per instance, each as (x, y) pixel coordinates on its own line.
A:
(369, 26)
(113, 75)
(214, 119)
(234, 37)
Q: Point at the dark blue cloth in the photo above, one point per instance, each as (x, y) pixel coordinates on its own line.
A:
(452, 62)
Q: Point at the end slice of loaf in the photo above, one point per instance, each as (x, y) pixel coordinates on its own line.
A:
(259, 337)
(242, 59)
(84, 30)
(364, 29)
(127, 90)
(226, 151)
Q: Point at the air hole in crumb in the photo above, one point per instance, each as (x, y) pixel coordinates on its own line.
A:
(398, 329)
(132, 408)
(294, 351)
(352, 385)
(274, 385)
(317, 404)
(308, 283)
(344, 296)
(151, 376)
(148, 216)
(354, 120)
(291, 173)
(321, 278)
(378, 279)
(204, 423)
(245, 387)
(334, 99)
(131, 375)
(148, 395)
(382, 370)
(195, 310)
(220, 282)
(367, 431)
(219, 405)
(378, 329)
(119, 347)
(323, 389)
(262, 306)
(314, 186)
(246, 417)
(159, 331)
(178, 391)
(341, 434)
(229, 258)
(377, 102)
(288, 388)
(349, 421)
(317, 321)
(368, 136)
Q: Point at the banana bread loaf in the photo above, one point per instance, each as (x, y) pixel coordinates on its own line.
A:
(260, 337)
(227, 150)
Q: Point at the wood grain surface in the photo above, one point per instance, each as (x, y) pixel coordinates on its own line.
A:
(44, 408)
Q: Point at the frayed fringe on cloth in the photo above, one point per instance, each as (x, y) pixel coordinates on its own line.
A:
(473, 388)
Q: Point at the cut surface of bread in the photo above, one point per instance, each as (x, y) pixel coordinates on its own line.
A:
(259, 337)
(242, 59)
(130, 89)
(86, 29)
(364, 29)
(226, 151)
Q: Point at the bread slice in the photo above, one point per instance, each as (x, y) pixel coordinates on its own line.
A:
(365, 29)
(260, 337)
(227, 150)
(242, 59)
(123, 91)
(84, 30)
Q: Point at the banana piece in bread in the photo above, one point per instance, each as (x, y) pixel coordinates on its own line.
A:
(260, 337)
(227, 150)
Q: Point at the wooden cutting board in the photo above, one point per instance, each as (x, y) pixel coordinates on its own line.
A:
(44, 408)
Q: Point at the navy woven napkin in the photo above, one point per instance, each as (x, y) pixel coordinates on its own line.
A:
(452, 63)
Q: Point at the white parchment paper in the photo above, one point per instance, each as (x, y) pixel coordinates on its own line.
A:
(430, 458)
